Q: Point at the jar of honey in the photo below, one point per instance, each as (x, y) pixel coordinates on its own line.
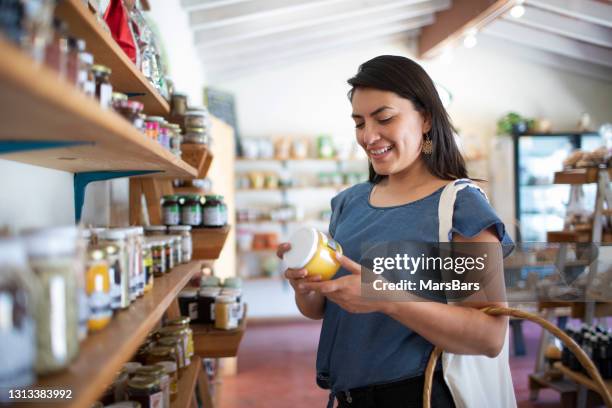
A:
(314, 251)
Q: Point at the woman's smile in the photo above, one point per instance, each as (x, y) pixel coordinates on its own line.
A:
(380, 152)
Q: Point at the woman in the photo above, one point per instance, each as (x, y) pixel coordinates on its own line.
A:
(374, 353)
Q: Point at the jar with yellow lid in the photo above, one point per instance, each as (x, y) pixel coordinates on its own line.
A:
(171, 370)
(175, 342)
(183, 323)
(314, 251)
(146, 390)
(162, 353)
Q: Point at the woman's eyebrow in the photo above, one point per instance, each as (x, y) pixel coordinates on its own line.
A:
(382, 108)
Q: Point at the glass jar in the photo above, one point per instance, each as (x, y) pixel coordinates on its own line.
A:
(153, 126)
(162, 353)
(119, 263)
(158, 373)
(147, 263)
(197, 118)
(186, 242)
(169, 254)
(55, 261)
(177, 253)
(179, 104)
(17, 295)
(170, 368)
(196, 135)
(166, 132)
(158, 253)
(206, 301)
(97, 285)
(171, 213)
(175, 342)
(188, 303)
(130, 110)
(175, 139)
(314, 251)
(146, 391)
(183, 323)
(215, 211)
(130, 368)
(86, 80)
(191, 211)
(225, 317)
(104, 89)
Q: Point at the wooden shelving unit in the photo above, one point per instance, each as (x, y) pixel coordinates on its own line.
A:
(186, 385)
(102, 354)
(578, 176)
(38, 111)
(208, 242)
(214, 343)
(125, 77)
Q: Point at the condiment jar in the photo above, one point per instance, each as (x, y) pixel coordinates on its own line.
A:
(158, 253)
(313, 251)
(146, 391)
(131, 367)
(206, 301)
(104, 89)
(170, 368)
(197, 118)
(153, 127)
(130, 110)
(196, 135)
(215, 211)
(97, 286)
(169, 253)
(179, 104)
(162, 353)
(18, 290)
(171, 214)
(225, 318)
(147, 264)
(186, 243)
(120, 268)
(175, 342)
(188, 303)
(191, 211)
(183, 323)
(54, 259)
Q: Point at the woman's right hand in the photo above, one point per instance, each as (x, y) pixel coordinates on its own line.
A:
(296, 276)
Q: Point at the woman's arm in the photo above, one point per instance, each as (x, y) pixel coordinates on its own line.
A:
(311, 305)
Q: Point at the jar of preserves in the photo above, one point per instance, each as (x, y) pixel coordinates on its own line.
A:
(176, 249)
(146, 391)
(183, 323)
(97, 286)
(104, 89)
(169, 253)
(54, 259)
(225, 315)
(197, 118)
(186, 243)
(158, 253)
(215, 211)
(18, 290)
(206, 301)
(175, 342)
(153, 126)
(147, 264)
(314, 251)
(179, 104)
(119, 263)
(171, 213)
(191, 211)
(130, 368)
(170, 368)
(196, 136)
(158, 373)
(130, 110)
(188, 303)
(162, 353)
(165, 134)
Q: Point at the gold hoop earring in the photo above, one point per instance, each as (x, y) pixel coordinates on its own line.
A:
(427, 146)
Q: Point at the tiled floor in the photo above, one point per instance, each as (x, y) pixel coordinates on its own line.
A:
(276, 368)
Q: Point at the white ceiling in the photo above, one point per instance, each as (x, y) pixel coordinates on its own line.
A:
(233, 34)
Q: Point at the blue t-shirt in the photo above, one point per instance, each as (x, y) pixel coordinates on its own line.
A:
(356, 350)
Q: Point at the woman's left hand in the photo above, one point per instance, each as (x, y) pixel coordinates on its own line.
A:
(346, 291)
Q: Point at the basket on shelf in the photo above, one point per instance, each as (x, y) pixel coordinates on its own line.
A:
(568, 341)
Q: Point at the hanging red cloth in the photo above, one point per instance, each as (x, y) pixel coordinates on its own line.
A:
(116, 17)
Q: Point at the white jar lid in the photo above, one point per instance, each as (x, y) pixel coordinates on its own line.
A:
(225, 299)
(114, 234)
(179, 228)
(169, 366)
(51, 241)
(303, 246)
(188, 293)
(209, 292)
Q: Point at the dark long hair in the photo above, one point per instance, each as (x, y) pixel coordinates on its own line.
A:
(407, 79)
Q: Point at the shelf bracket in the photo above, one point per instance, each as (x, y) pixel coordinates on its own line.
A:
(81, 180)
(15, 146)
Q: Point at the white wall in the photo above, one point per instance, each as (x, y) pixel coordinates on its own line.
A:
(309, 97)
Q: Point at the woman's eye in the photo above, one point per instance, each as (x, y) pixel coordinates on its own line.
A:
(386, 120)
(359, 125)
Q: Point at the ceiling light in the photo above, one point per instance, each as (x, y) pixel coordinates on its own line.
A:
(446, 57)
(470, 40)
(517, 11)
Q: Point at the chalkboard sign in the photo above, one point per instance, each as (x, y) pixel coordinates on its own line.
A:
(221, 104)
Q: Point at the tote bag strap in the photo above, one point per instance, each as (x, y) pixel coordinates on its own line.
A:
(446, 206)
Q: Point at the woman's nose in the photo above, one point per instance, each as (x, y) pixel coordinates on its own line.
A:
(370, 136)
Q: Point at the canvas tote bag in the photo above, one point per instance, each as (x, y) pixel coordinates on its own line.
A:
(474, 381)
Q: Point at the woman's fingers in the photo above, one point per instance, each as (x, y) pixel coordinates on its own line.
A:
(348, 264)
(282, 248)
(296, 273)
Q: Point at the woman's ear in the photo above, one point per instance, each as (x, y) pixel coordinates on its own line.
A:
(426, 123)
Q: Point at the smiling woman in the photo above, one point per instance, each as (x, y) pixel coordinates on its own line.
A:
(372, 353)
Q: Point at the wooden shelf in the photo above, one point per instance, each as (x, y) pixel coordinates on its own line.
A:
(186, 385)
(214, 343)
(125, 76)
(568, 236)
(103, 354)
(208, 242)
(38, 108)
(540, 380)
(578, 176)
(580, 378)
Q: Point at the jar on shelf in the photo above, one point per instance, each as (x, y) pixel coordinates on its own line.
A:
(153, 127)
(130, 110)
(158, 254)
(170, 368)
(183, 323)
(85, 77)
(196, 135)
(225, 316)
(147, 263)
(169, 254)
(18, 290)
(176, 336)
(206, 301)
(130, 367)
(191, 211)
(186, 242)
(171, 213)
(165, 134)
(146, 391)
(116, 247)
(104, 89)
(197, 118)
(215, 211)
(176, 139)
(162, 353)
(97, 286)
(179, 104)
(175, 343)
(55, 261)
(177, 251)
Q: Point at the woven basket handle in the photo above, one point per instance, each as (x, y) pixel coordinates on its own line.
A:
(568, 341)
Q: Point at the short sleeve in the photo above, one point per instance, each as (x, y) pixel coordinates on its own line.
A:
(336, 206)
(473, 214)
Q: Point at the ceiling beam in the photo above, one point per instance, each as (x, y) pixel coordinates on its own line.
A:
(596, 12)
(539, 39)
(313, 49)
(220, 74)
(252, 10)
(539, 56)
(565, 26)
(281, 45)
(312, 18)
(451, 24)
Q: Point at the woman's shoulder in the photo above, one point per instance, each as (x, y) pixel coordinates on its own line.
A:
(356, 191)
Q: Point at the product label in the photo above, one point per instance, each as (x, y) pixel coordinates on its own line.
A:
(213, 216)
(16, 369)
(193, 311)
(212, 312)
(114, 277)
(57, 318)
(187, 249)
(156, 400)
(99, 303)
(171, 215)
(191, 215)
(106, 95)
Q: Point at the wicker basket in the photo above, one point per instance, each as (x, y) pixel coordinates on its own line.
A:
(568, 341)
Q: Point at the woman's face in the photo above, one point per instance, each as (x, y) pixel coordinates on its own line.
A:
(388, 128)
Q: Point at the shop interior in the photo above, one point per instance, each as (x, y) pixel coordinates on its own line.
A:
(155, 153)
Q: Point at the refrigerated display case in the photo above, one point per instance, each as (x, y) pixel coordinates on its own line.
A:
(540, 205)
